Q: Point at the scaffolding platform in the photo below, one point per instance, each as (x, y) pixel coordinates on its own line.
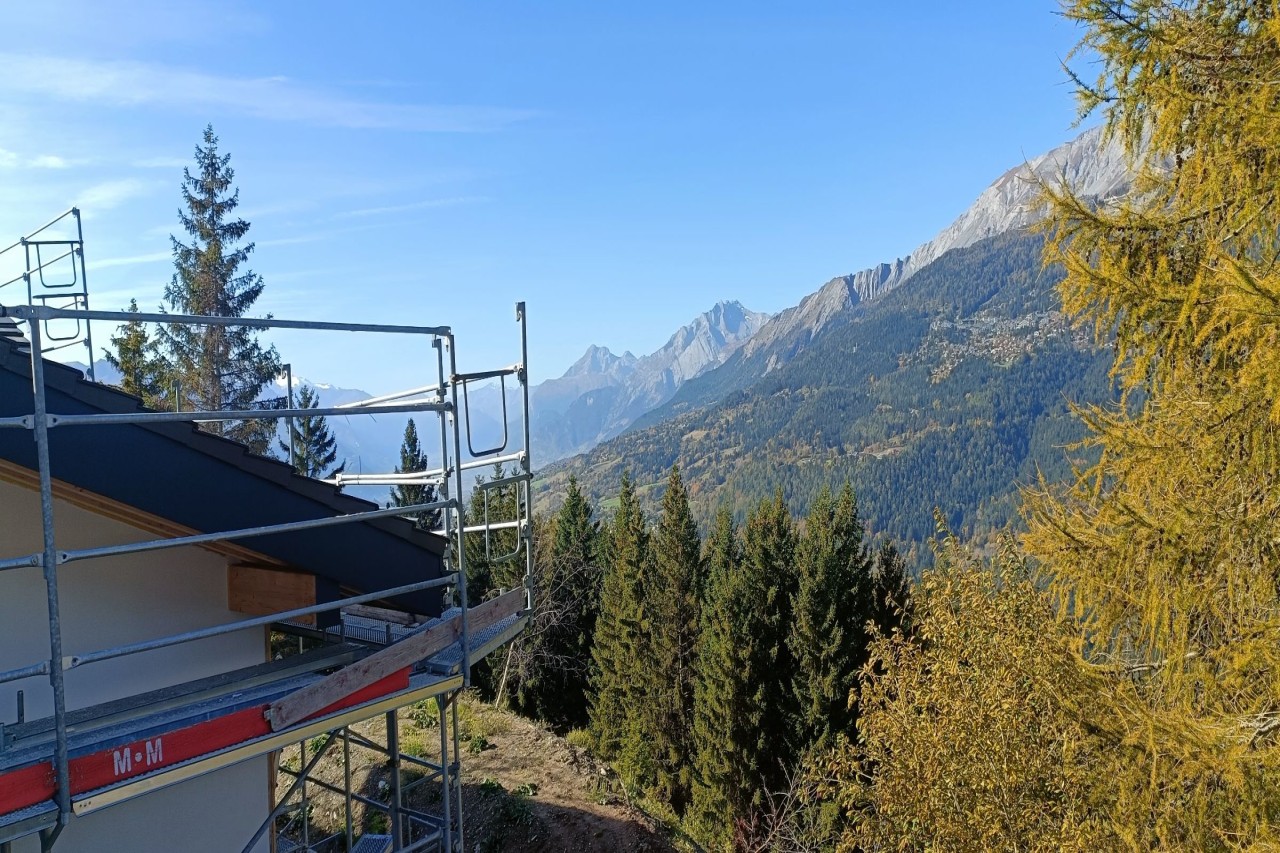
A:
(123, 749)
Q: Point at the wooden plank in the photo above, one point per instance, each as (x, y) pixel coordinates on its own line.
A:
(396, 617)
(310, 700)
(122, 512)
(259, 590)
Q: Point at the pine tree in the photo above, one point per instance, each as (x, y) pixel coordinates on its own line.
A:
(311, 445)
(215, 367)
(620, 649)
(833, 604)
(412, 460)
(671, 612)
(134, 357)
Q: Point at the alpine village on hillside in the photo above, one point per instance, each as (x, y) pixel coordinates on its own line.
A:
(974, 548)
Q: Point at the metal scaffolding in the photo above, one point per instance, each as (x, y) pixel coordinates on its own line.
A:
(449, 645)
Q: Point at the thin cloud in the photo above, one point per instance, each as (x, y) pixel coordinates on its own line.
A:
(161, 163)
(7, 159)
(111, 194)
(128, 83)
(425, 204)
(129, 261)
(50, 161)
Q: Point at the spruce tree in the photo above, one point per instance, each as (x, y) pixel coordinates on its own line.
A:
(890, 590)
(556, 649)
(311, 444)
(671, 612)
(832, 605)
(215, 367)
(134, 357)
(412, 460)
(769, 558)
(728, 691)
(619, 651)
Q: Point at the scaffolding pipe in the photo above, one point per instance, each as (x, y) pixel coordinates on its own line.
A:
(61, 762)
(461, 567)
(386, 398)
(35, 669)
(257, 622)
(226, 415)
(393, 752)
(445, 776)
(282, 807)
(21, 562)
(454, 767)
(493, 460)
(41, 312)
(243, 533)
(525, 462)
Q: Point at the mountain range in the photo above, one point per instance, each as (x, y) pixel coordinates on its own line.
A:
(937, 380)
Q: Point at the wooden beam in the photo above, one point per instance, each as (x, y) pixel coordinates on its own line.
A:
(259, 590)
(122, 512)
(396, 617)
(315, 697)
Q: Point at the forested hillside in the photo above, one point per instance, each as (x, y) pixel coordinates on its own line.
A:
(947, 392)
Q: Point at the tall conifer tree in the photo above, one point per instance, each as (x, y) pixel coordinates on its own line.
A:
(133, 354)
(620, 649)
(769, 558)
(553, 685)
(215, 367)
(890, 590)
(671, 606)
(833, 603)
(728, 695)
(311, 445)
(412, 460)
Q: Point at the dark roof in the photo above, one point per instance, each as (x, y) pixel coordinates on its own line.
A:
(210, 484)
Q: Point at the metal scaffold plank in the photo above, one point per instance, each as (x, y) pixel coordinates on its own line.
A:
(311, 699)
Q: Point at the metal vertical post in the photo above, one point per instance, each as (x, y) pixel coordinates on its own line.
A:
(393, 752)
(456, 752)
(527, 464)
(84, 280)
(50, 560)
(346, 780)
(461, 566)
(446, 782)
(288, 384)
(306, 818)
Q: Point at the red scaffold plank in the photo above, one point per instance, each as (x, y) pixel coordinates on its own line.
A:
(35, 783)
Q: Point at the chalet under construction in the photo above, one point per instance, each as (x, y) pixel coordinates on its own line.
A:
(146, 565)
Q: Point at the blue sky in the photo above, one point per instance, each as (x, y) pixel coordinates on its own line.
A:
(621, 167)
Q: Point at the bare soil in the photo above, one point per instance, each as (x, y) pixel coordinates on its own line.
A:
(525, 789)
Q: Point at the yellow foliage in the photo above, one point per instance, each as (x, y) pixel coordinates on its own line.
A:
(1165, 551)
(969, 734)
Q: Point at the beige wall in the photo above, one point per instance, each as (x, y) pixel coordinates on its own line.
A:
(122, 600)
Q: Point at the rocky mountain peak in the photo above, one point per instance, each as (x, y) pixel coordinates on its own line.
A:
(600, 360)
(1088, 164)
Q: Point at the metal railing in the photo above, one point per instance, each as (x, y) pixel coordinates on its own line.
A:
(440, 398)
